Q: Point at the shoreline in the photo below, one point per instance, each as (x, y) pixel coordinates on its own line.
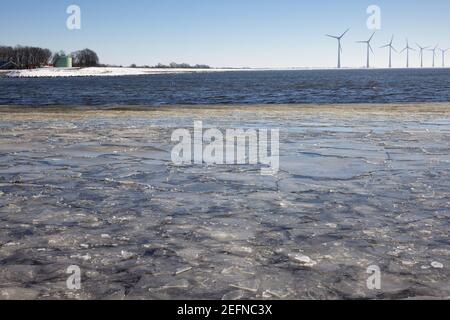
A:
(127, 71)
(105, 72)
(408, 106)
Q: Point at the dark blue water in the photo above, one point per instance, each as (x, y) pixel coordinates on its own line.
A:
(240, 87)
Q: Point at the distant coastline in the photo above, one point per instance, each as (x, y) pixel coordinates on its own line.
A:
(108, 71)
(51, 72)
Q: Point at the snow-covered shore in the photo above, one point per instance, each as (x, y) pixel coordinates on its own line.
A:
(101, 71)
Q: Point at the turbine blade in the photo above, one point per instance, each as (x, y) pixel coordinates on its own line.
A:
(403, 50)
(371, 37)
(395, 50)
(388, 45)
(334, 37)
(370, 47)
(345, 33)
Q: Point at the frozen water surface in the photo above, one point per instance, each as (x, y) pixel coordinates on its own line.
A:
(358, 186)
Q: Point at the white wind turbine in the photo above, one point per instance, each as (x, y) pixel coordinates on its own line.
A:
(421, 54)
(339, 38)
(443, 51)
(391, 47)
(369, 48)
(407, 49)
(434, 53)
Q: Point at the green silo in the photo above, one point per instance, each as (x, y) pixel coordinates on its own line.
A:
(64, 62)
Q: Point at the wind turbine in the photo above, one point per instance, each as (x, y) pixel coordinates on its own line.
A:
(339, 38)
(407, 48)
(369, 48)
(421, 54)
(391, 47)
(434, 53)
(443, 56)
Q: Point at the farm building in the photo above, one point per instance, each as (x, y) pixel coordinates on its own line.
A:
(63, 62)
(8, 65)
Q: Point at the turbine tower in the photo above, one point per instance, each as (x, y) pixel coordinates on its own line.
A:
(339, 38)
(391, 47)
(369, 48)
(434, 53)
(421, 54)
(407, 49)
(444, 51)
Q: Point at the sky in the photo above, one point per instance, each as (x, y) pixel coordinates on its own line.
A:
(228, 33)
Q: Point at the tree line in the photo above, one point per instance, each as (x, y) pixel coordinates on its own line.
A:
(26, 57)
(173, 65)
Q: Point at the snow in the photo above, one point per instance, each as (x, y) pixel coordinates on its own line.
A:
(117, 71)
(100, 71)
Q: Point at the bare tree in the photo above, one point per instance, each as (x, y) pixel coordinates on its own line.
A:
(85, 58)
(6, 53)
(25, 57)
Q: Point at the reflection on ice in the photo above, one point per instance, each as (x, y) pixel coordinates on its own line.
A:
(98, 190)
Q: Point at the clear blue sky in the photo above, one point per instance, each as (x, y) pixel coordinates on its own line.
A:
(235, 33)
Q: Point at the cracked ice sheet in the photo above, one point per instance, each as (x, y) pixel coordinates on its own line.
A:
(359, 185)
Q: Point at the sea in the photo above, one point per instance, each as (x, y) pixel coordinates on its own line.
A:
(234, 87)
